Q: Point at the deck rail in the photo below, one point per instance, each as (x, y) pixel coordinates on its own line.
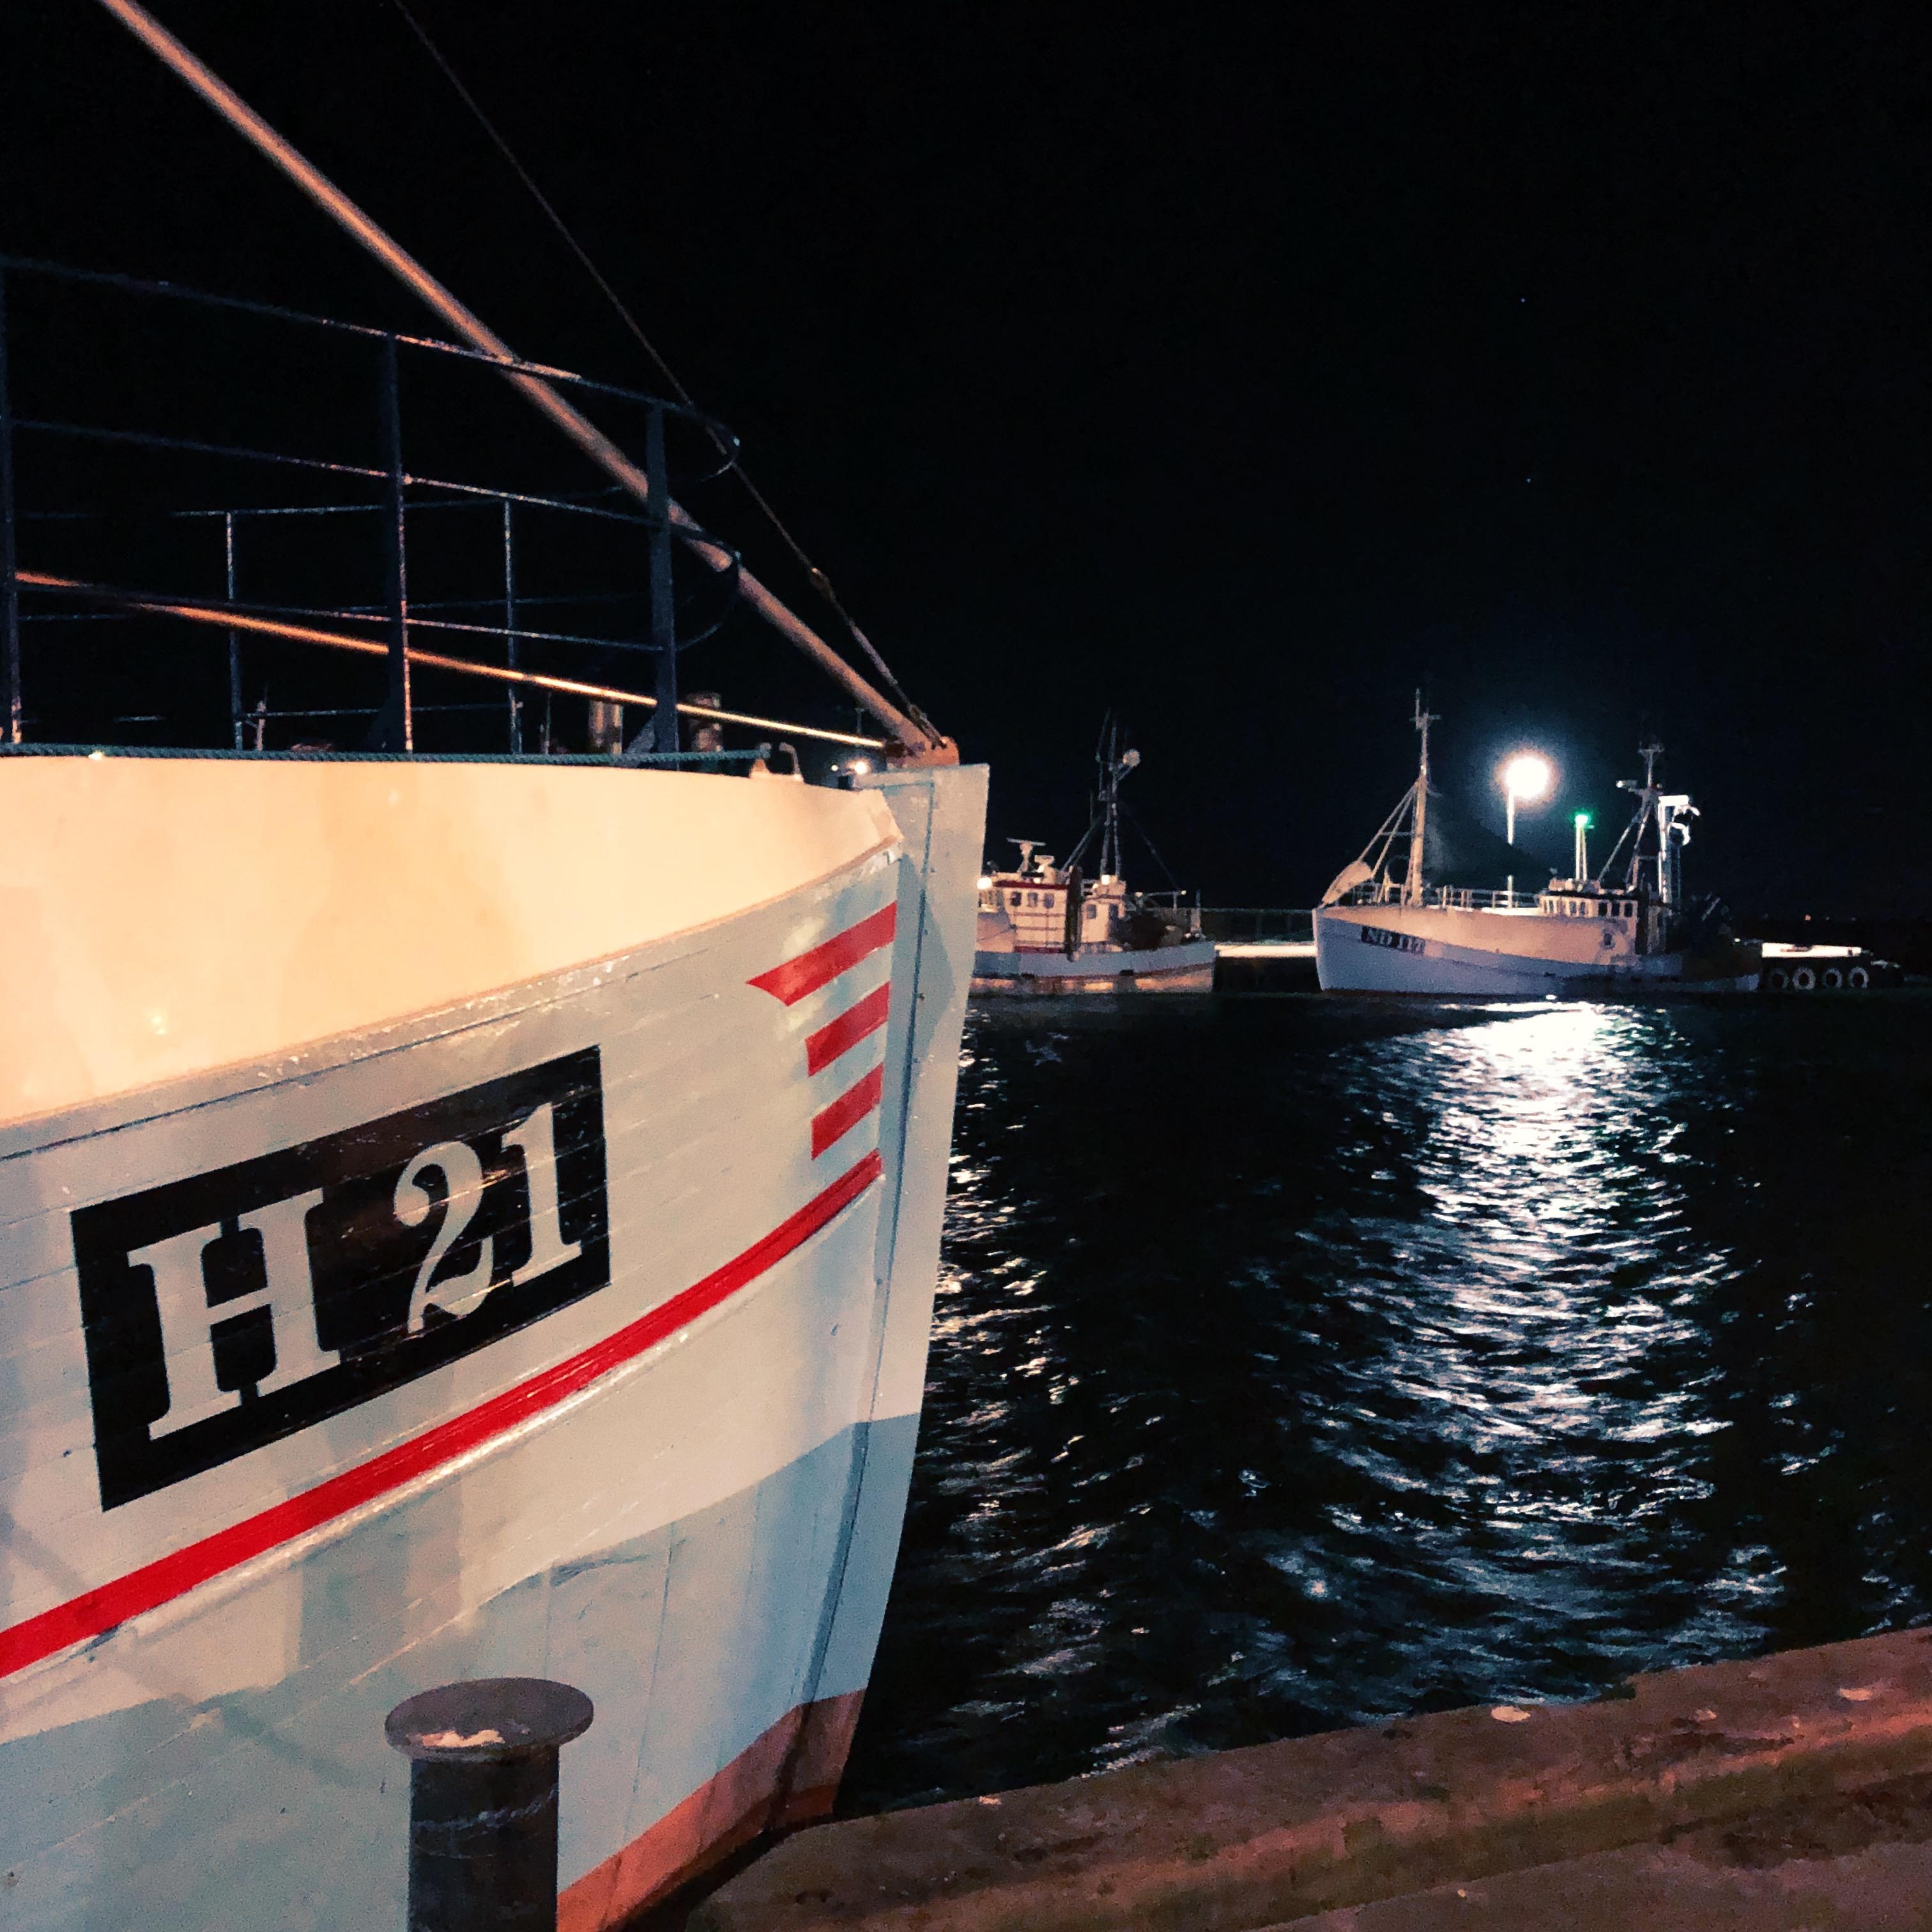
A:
(517, 633)
(1457, 898)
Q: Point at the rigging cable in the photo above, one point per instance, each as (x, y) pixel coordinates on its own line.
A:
(819, 580)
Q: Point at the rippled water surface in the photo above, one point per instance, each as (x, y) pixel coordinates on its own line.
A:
(1299, 1362)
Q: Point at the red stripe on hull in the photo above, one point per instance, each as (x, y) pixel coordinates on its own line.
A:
(841, 1035)
(790, 982)
(835, 1122)
(183, 1570)
(787, 1776)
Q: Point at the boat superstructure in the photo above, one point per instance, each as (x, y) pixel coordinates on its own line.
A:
(1395, 921)
(1049, 928)
(464, 1212)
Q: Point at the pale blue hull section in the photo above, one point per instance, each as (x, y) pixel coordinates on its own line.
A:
(285, 1806)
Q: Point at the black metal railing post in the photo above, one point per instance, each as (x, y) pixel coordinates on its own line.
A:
(395, 728)
(514, 658)
(10, 587)
(483, 1805)
(234, 636)
(664, 616)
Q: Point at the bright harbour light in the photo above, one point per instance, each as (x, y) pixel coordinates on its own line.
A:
(1527, 777)
(862, 766)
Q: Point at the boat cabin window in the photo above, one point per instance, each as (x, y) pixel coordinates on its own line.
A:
(1016, 898)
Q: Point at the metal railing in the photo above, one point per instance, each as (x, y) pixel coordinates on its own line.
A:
(638, 617)
(1256, 924)
(1466, 898)
(1458, 899)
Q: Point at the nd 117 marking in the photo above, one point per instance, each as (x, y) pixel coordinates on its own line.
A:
(1396, 942)
(230, 1308)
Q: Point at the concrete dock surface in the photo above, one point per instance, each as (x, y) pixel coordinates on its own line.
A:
(1792, 1791)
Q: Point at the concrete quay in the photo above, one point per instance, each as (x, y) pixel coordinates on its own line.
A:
(1265, 966)
(1793, 1791)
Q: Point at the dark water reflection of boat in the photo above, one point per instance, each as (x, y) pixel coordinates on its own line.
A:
(1302, 1362)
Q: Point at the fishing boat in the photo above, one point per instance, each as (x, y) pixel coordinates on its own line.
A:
(1050, 928)
(1418, 913)
(463, 1213)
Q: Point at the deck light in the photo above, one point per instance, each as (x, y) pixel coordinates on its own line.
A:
(1525, 776)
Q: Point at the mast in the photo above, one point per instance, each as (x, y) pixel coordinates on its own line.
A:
(920, 743)
(1647, 795)
(1650, 750)
(1412, 884)
(1111, 765)
(1110, 768)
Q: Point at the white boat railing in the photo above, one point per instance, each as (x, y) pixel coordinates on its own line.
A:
(1466, 898)
(1455, 898)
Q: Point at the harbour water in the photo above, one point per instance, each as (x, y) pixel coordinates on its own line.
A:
(1300, 1362)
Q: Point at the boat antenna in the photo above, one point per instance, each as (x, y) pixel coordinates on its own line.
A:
(919, 742)
(727, 450)
(1115, 765)
(1650, 751)
(1412, 884)
(1111, 765)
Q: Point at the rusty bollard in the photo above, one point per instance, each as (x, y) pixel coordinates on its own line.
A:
(483, 1762)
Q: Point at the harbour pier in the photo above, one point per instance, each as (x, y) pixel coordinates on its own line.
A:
(1262, 949)
(1795, 1790)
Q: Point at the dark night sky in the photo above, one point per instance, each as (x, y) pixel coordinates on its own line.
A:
(1236, 369)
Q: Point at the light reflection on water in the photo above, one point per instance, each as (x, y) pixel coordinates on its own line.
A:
(1297, 1363)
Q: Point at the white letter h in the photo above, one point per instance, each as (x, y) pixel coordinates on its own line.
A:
(188, 1323)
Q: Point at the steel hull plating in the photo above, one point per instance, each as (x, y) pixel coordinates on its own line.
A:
(708, 1175)
(1432, 953)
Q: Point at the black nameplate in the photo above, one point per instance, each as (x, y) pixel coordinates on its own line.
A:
(1397, 942)
(355, 1263)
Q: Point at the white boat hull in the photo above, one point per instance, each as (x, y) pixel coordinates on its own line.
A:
(642, 1421)
(1438, 952)
(1187, 968)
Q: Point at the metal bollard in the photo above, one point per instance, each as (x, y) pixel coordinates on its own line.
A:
(483, 1763)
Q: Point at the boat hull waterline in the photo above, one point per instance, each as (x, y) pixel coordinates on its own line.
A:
(575, 1327)
(1430, 952)
(1186, 968)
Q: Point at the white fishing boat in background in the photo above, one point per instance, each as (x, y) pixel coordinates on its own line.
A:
(462, 1215)
(1399, 919)
(1050, 928)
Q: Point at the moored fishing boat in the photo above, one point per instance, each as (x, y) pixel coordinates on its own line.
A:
(1399, 919)
(1049, 928)
(461, 1215)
